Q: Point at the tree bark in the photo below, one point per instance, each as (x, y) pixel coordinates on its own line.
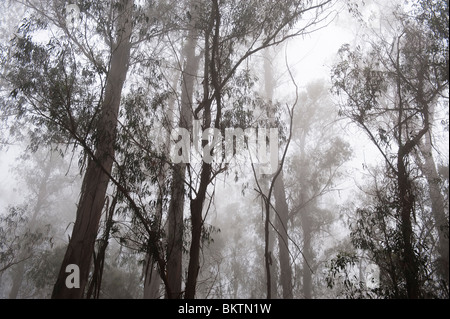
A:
(267, 252)
(405, 196)
(305, 217)
(99, 258)
(175, 232)
(96, 179)
(437, 206)
(282, 209)
(280, 203)
(274, 264)
(211, 76)
(197, 225)
(176, 206)
(307, 253)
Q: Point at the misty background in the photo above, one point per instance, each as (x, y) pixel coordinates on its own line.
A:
(358, 207)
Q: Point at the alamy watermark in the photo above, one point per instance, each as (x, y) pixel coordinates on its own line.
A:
(260, 146)
(73, 279)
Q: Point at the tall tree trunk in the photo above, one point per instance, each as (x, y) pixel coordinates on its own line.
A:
(211, 76)
(282, 217)
(410, 268)
(175, 232)
(269, 239)
(176, 206)
(197, 225)
(437, 200)
(437, 206)
(19, 271)
(273, 265)
(281, 206)
(305, 218)
(99, 258)
(307, 252)
(404, 189)
(269, 88)
(197, 218)
(152, 277)
(96, 179)
(267, 252)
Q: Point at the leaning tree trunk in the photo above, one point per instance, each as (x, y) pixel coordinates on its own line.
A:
(96, 179)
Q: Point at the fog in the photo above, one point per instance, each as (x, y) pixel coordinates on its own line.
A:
(115, 181)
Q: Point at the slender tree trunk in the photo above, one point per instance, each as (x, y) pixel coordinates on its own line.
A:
(410, 268)
(283, 241)
(211, 71)
(437, 206)
(405, 193)
(99, 258)
(437, 200)
(269, 240)
(197, 225)
(152, 277)
(307, 235)
(176, 207)
(175, 232)
(19, 272)
(267, 252)
(96, 179)
(269, 87)
(281, 206)
(197, 220)
(269, 247)
(273, 265)
(305, 219)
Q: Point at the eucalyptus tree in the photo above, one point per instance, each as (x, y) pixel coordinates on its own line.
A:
(232, 32)
(189, 66)
(314, 170)
(66, 77)
(389, 92)
(15, 235)
(434, 15)
(428, 165)
(44, 180)
(67, 86)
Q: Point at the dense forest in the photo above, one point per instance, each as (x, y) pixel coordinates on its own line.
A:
(224, 149)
